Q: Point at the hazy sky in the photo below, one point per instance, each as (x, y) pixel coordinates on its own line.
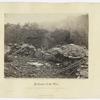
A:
(39, 18)
(47, 20)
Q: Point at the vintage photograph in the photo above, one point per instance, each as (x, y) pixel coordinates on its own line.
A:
(46, 45)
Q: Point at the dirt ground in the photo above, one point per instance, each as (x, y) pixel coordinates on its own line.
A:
(25, 65)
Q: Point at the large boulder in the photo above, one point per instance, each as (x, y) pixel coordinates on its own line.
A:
(73, 51)
(69, 51)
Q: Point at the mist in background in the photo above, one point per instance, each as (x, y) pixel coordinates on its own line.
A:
(47, 30)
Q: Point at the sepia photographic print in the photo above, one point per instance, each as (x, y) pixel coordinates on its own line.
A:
(46, 45)
(49, 50)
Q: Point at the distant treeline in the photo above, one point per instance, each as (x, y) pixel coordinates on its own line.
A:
(43, 38)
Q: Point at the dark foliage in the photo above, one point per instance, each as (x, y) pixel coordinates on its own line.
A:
(42, 38)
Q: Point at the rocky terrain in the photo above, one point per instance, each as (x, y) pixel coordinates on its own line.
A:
(63, 61)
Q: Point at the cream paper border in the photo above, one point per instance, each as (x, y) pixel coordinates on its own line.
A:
(60, 88)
